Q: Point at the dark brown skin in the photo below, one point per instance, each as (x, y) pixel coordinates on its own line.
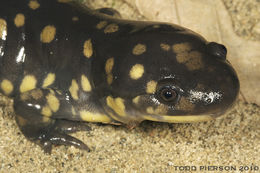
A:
(65, 64)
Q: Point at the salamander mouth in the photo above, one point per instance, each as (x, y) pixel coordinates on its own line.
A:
(179, 119)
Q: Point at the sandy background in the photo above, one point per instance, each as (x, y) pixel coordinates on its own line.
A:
(231, 140)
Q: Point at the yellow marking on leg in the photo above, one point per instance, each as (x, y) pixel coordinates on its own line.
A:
(151, 87)
(7, 86)
(165, 46)
(101, 24)
(36, 94)
(139, 49)
(53, 102)
(94, 117)
(85, 84)
(49, 80)
(74, 89)
(34, 4)
(48, 34)
(150, 110)
(46, 111)
(108, 68)
(111, 28)
(3, 30)
(88, 48)
(28, 83)
(136, 100)
(136, 71)
(117, 105)
(19, 20)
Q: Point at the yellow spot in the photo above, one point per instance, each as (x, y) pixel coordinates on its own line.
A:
(88, 48)
(48, 34)
(46, 119)
(28, 83)
(48, 80)
(192, 60)
(136, 71)
(85, 83)
(136, 100)
(181, 47)
(109, 65)
(109, 79)
(7, 86)
(75, 19)
(101, 24)
(94, 117)
(36, 94)
(111, 28)
(19, 20)
(139, 49)
(117, 105)
(46, 111)
(33, 4)
(165, 47)
(151, 87)
(3, 29)
(150, 110)
(108, 69)
(74, 89)
(53, 102)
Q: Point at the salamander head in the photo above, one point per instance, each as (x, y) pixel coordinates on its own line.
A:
(169, 77)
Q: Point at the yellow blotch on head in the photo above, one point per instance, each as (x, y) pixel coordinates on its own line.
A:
(33, 4)
(74, 89)
(48, 80)
(165, 47)
(139, 49)
(151, 87)
(48, 34)
(88, 48)
(181, 47)
(46, 111)
(117, 105)
(85, 83)
(3, 29)
(53, 102)
(7, 87)
(19, 20)
(94, 117)
(108, 68)
(136, 71)
(101, 24)
(111, 28)
(192, 60)
(28, 83)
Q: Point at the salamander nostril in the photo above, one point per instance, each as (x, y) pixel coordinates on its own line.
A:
(216, 49)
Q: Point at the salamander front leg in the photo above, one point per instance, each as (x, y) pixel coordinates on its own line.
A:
(41, 115)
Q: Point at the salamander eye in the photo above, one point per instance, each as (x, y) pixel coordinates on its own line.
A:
(168, 94)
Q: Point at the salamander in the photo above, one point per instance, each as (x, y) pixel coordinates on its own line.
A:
(65, 64)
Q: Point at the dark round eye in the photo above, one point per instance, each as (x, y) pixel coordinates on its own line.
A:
(168, 94)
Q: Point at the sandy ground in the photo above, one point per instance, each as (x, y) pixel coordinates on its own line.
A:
(232, 140)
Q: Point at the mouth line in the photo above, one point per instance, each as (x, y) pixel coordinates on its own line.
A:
(179, 118)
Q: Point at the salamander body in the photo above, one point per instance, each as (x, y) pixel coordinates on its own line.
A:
(64, 64)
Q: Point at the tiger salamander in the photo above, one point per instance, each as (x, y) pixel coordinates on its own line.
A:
(64, 64)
